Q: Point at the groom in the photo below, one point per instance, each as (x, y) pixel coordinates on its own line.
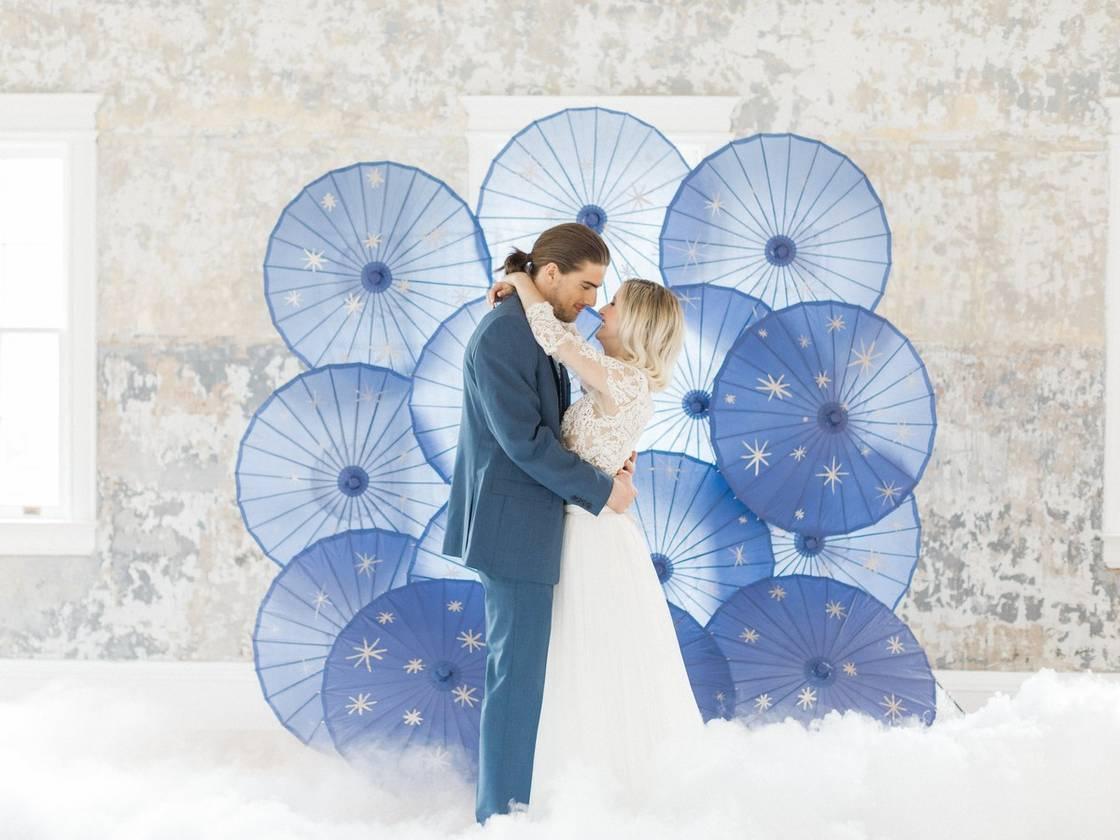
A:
(511, 479)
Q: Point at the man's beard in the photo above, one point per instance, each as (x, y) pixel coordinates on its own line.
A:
(563, 314)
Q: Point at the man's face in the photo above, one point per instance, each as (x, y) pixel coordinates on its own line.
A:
(571, 292)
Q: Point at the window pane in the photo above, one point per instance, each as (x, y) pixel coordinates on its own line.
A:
(29, 419)
(33, 245)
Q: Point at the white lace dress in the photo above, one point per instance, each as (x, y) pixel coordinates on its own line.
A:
(616, 692)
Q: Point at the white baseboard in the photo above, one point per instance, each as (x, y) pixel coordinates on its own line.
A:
(226, 696)
(211, 696)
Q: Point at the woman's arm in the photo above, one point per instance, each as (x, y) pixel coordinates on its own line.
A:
(526, 288)
(511, 408)
(615, 382)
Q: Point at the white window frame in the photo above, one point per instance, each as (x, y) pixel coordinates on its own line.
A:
(68, 120)
(1110, 519)
(696, 125)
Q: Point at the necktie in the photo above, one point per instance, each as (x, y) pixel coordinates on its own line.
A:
(565, 387)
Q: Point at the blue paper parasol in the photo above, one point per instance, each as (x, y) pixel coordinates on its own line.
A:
(437, 387)
(409, 671)
(366, 261)
(802, 646)
(587, 323)
(823, 418)
(602, 168)
(304, 610)
(703, 542)
(782, 218)
(714, 317)
(429, 562)
(333, 450)
(707, 667)
(879, 559)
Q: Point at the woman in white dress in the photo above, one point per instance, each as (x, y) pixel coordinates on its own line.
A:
(615, 688)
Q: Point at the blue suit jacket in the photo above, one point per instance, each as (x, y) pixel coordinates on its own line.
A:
(512, 475)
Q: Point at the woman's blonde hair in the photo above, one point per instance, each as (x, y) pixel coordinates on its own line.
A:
(650, 329)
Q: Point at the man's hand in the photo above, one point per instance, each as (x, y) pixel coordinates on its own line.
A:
(629, 465)
(623, 493)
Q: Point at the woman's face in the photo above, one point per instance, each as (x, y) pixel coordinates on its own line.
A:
(607, 334)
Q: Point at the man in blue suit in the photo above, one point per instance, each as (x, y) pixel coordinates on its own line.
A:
(511, 479)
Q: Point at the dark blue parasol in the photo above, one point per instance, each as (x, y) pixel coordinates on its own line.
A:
(707, 667)
(309, 602)
(414, 681)
(823, 419)
(802, 646)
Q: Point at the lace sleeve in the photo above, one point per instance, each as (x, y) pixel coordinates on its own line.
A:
(547, 329)
(616, 382)
(624, 383)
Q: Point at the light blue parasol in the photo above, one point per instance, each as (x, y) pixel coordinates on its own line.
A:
(602, 168)
(436, 403)
(784, 219)
(714, 317)
(366, 261)
(703, 543)
(333, 450)
(879, 559)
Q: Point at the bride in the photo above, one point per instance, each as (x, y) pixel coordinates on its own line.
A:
(615, 684)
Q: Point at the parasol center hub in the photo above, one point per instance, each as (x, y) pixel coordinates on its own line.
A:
(820, 670)
(696, 404)
(808, 545)
(832, 417)
(353, 480)
(594, 216)
(662, 565)
(443, 675)
(780, 250)
(376, 276)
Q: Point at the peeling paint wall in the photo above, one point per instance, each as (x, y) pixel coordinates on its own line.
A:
(980, 123)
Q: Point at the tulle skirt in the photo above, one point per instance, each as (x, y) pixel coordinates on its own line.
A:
(616, 692)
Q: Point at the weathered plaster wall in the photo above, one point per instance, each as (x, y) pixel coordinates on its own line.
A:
(980, 123)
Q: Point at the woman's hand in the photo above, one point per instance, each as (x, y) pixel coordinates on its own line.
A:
(499, 291)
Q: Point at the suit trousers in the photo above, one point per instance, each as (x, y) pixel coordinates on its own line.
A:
(518, 626)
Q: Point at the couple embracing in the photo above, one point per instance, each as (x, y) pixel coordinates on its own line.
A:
(583, 666)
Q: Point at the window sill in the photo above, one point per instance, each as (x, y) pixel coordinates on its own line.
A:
(1111, 546)
(48, 537)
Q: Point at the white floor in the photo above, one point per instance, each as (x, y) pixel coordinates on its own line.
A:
(190, 750)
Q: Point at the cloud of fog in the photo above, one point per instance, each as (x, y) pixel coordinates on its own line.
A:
(77, 763)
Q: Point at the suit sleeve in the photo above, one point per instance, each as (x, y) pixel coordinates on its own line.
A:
(505, 377)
